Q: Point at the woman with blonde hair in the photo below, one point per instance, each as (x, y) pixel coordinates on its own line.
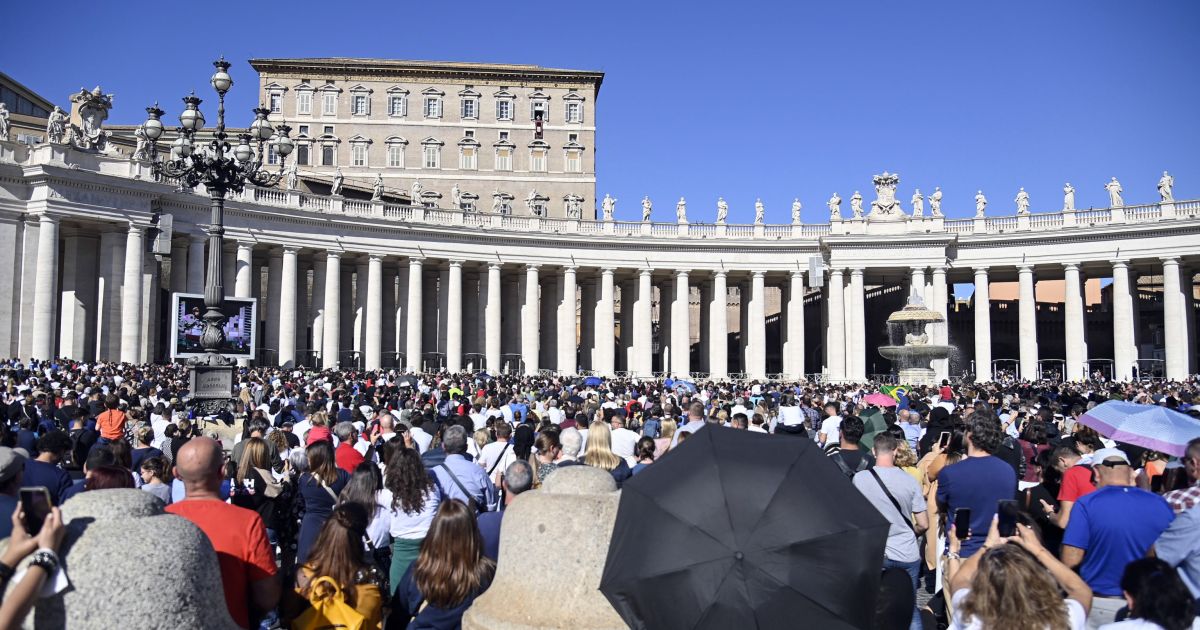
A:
(666, 434)
(599, 453)
(1015, 582)
(249, 487)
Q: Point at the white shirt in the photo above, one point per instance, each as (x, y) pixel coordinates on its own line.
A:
(832, 428)
(791, 416)
(624, 442)
(1142, 624)
(493, 451)
(691, 427)
(480, 420)
(410, 526)
(421, 439)
(556, 415)
(1076, 617)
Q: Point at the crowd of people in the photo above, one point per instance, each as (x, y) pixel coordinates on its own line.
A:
(379, 496)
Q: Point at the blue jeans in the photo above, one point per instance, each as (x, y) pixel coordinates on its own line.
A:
(913, 569)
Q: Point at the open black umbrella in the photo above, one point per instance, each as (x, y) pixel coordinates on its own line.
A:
(735, 529)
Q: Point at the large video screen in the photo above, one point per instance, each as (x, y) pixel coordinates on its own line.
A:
(187, 321)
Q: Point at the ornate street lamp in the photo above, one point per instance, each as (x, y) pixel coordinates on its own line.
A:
(222, 169)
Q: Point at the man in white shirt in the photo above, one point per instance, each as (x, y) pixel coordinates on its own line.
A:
(624, 441)
(507, 413)
(695, 421)
(496, 456)
(831, 426)
(556, 415)
(421, 438)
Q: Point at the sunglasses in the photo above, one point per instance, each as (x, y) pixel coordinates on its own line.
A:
(1112, 464)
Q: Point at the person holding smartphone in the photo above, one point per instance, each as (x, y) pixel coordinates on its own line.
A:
(43, 544)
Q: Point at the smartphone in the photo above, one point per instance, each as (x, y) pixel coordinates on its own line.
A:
(1007, 524)
(35, 503)
(944, 439)
(962, 523)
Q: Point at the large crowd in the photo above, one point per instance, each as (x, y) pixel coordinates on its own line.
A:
(379, 496)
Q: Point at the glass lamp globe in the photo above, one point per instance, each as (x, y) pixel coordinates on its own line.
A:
(221, 81)
(153, 127)
(190, 118)
(182, 146)
(283, 142)
(242, 152)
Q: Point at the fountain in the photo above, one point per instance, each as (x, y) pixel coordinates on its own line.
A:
(911, 352)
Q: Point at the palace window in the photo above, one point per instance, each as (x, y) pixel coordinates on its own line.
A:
(276, 102)
(329, 103)
(470, 108)
(537, 159)
(302, 155)
(467, 158)
(328, 155)
(433, 156)
(360, 105)
(574, 161)
(304, 102)
(574, 112)
(395, 155)
(397, 105)
(504, 109)
(272, 154)
(433, 107)
(504, 159)
(358, 154)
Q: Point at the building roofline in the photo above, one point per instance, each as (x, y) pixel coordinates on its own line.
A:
(360, 66)
(37, 99)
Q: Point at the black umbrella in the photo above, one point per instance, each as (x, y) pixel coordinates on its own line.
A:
(735, 529)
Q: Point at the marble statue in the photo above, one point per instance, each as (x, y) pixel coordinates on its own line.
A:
(1114, 193)
(647, 207)
(912, 339)
(608, 206)
(140, 151)
(92, 110)
(497, 201)
(574, 206)
(918, 204)
(1165, 184)
(856, 205)
(935, 201)
(796, 211)
(293, 178)
(56, 126)
(681, 211)
(760, 213)
(415, 192)
(338, 180)
(835, 207)
(722, 210)
(1068, 198)
(531, 202)
(456, 196)
(4, 125)
(1022, 201)
(980, 203)
(377, 188)
(885, 205)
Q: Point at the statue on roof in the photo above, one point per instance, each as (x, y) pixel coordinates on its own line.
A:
(89, 110)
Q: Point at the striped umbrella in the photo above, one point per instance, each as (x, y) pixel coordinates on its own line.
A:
(1149, 426)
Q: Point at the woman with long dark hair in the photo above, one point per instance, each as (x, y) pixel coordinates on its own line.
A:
(450, 572)
(411, 498)
(317, 492)
(1157, 597)
(364, 489)
(338, 555)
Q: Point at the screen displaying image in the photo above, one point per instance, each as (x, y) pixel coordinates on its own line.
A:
(187, 321)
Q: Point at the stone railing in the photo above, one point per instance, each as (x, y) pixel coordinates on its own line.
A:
(62, 155)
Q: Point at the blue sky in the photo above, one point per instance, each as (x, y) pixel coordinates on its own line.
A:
(741, 100)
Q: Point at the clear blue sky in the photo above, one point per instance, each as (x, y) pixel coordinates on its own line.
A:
(741, 100)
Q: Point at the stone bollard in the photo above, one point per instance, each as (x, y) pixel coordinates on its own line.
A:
(131, 565)
(553, 544)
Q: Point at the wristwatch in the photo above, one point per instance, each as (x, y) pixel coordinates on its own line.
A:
(953, 555)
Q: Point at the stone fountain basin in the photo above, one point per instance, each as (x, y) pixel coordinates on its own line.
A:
(916, 354)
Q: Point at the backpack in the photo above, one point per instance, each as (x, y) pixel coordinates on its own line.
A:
(329, 609)
(837, 459)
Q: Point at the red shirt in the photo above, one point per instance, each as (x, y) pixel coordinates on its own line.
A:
(111, 424)
(1077, 481)
(347, 458)
(240, 540)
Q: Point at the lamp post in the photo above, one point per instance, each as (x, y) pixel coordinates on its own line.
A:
(223, 169)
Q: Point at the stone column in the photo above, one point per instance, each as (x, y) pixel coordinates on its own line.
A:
(1073, 324)
(228, 265)
(332, 315)
(196, 263)
(316, 310)
(242, 283)
(347, 339)
(454, 319)
(415, 315)
(45, 288)
(983, 326)
(131, 296)
(835, 345)
(493, 333)
(1189, 314)
(718, 327)
(794, 348)
(529, 321)
(77, 319)
(360, 307)
(605, 325)
(857, 324)
(1174, 323)
(373, 313)
(108, 292)
(274, 296)
(287, 306)
(681, 328)
(588, 292)
(643, 329)
(388, 336)
(1027, 323)
(756, 323)
(1122, 317)
(566, 323)
(942, 330)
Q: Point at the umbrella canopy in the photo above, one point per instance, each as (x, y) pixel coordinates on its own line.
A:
(684, 387)
(1149, 426)
(744, 530)
(880, 399)
(407, 381)
(873, 424)
(593, 381)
